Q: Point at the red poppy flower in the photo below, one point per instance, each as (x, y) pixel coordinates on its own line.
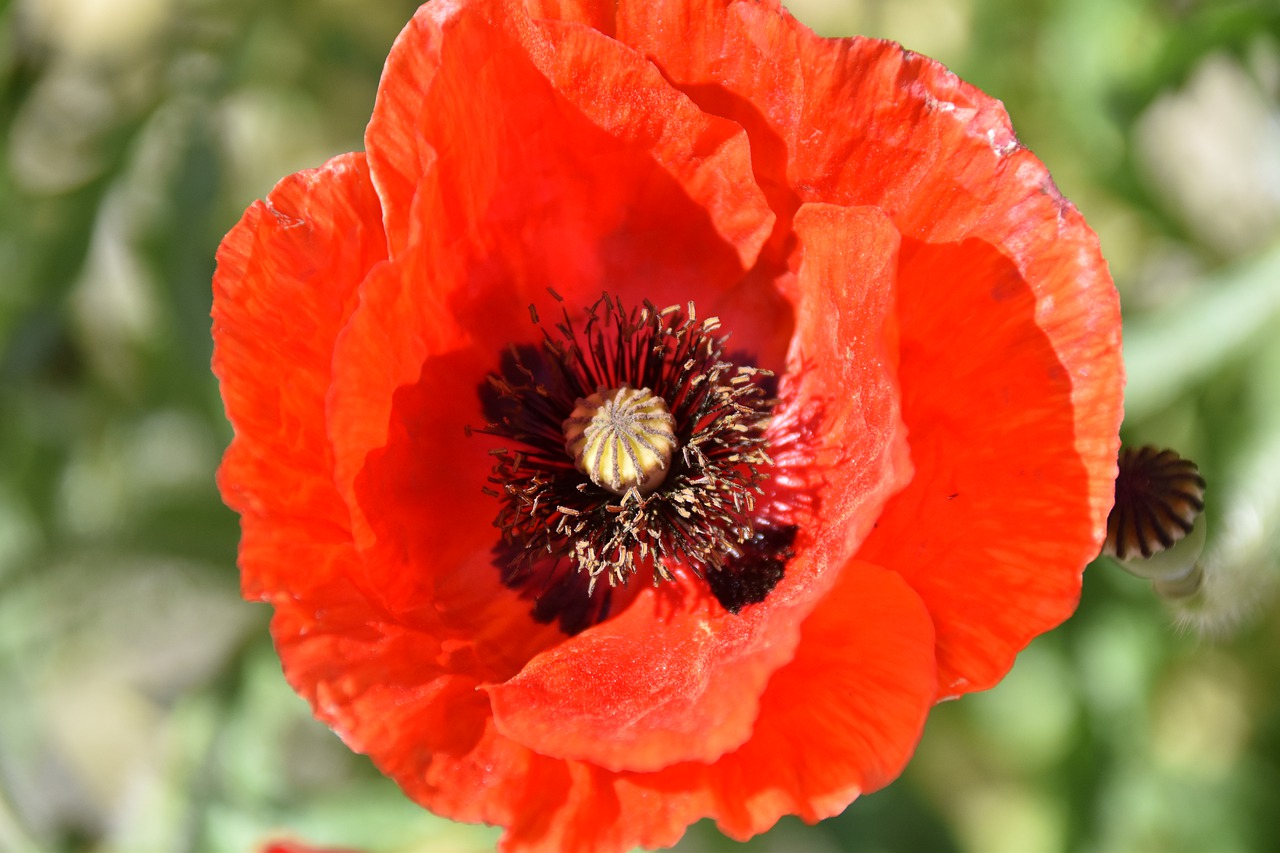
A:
(868, 497)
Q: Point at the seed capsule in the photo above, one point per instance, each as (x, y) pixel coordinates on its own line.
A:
(622, 438)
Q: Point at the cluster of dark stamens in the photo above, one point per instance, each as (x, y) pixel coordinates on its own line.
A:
(562, 534)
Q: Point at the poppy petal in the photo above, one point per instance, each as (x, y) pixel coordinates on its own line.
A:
(573, 192)
(597, 14)
(379, 683)
(842, 364)
(999, 521)
(509, 157)
(859, 687)
(644, 713)
(405, 384)
(906, 125)
(434, 322)
(940, 158)
(285, 285)
(627, 98)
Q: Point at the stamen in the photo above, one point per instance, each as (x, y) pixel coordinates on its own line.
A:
(635, 443)
(753, 573)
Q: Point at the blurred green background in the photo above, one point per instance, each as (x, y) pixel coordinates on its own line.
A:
(141, 706)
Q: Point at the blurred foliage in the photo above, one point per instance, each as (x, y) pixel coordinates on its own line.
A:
(143, 706)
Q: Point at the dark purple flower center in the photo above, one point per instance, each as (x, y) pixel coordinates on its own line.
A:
(671, 472)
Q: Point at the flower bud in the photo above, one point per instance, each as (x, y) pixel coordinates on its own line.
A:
(1156, 529)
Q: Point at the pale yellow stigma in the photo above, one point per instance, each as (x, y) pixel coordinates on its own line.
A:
(622, 438)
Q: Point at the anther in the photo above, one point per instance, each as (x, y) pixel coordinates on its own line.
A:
(622, 438)
(661, 466)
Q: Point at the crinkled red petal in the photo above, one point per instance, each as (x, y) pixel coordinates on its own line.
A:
(566, 186)
(597, 14)
(406, 382)
(545, 192)
(840, 719)
(285, 286)
(446, 102)
(642, 711)
(997, 524)
(939, 157)
(840, 391)
(673, 678)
